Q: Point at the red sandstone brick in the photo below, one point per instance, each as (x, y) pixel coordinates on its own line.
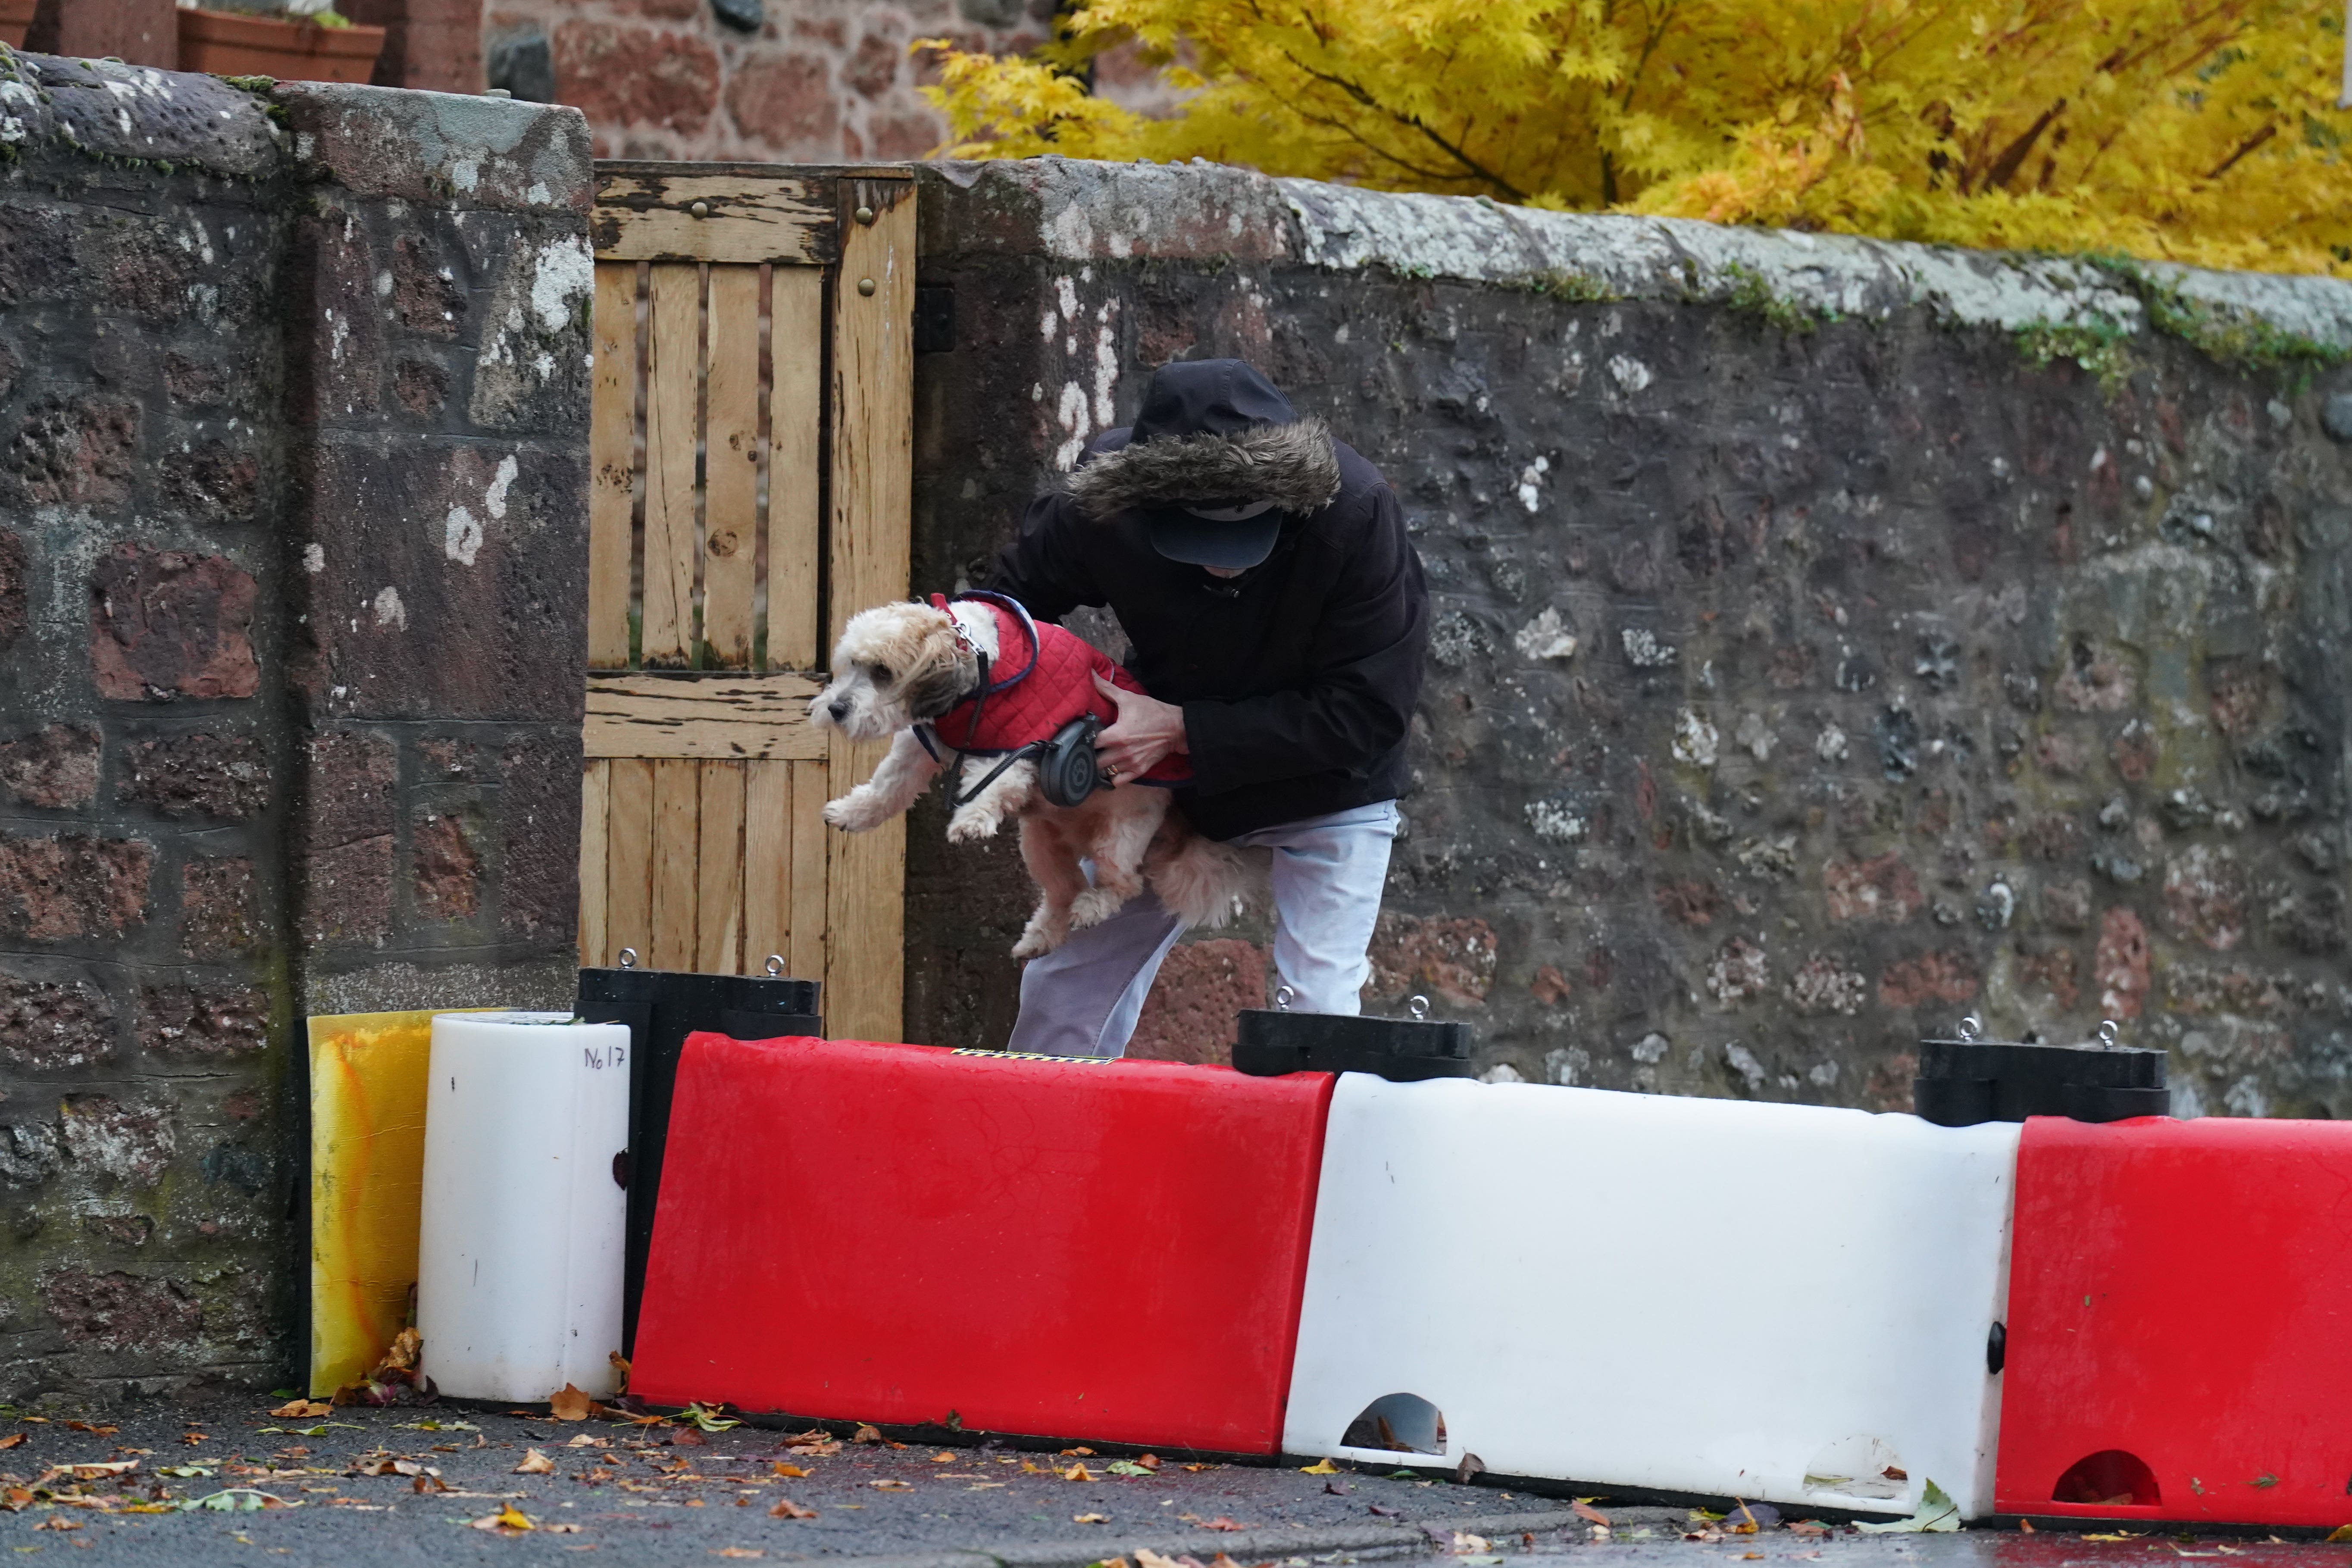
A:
(1192, 1014)
(52, 1026)
(1943, 976)
(2120, 969)
(54, 768)
(12, 587)
(637, 76)
(786, 103)
(203, 1025)
(168, 622)
(73, 885)
(121, 1311)
(1453, 956)
(77, 454)
(1880, 889)
(197, 775)
(449, 868)
(219, 908)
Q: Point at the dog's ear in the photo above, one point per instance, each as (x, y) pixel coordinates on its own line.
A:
(939, 677)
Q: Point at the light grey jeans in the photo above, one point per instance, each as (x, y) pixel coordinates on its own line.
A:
(1082, 999)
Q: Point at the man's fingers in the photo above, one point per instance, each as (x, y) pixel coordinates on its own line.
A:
(1107, 688)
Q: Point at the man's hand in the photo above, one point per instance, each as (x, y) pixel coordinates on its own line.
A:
(1145, 730)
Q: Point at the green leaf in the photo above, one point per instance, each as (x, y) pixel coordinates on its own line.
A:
(1125, 1468)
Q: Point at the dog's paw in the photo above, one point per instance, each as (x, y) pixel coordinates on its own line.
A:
(969, 825)
(1093, 907)
(851, 813)
(1036, 944)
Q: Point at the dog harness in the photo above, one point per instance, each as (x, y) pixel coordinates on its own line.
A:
(1018, 714)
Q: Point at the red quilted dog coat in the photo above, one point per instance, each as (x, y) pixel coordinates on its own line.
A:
(1052, 687)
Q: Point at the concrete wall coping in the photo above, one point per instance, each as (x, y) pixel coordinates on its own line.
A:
(1080, 211)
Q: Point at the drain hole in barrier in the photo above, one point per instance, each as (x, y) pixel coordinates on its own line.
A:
(1401, 1423)
(1857, 1467)
(2111, 1477)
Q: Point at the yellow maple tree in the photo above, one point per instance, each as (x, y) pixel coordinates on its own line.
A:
(2197, 130)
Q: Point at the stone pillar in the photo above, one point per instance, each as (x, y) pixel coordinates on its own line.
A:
(293, 497)
(438, 394)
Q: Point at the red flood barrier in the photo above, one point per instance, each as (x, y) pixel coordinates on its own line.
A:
(907, 1234)
(2180, 1299)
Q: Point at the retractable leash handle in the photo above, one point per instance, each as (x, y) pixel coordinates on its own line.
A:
(1068, 771)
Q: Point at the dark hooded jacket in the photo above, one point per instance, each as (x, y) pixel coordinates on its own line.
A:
(1298, 678)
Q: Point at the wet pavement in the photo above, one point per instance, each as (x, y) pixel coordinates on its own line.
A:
(431, 1486)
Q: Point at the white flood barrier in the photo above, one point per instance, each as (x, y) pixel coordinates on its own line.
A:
(518, 1266)
(1776, 1302)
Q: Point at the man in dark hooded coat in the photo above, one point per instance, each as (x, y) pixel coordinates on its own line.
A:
(1277, 620)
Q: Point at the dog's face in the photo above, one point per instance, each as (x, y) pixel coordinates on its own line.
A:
(895, 667)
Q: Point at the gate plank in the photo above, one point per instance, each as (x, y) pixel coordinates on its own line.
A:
(595, 836)
(672, 345)
(810, 790)
(639, 713)
(648, 215)
(611, 463)
(795, 458)
(719, 923)
(768, 863)
(677, 800)
(872, 478)
(629, 881)
(731, 448)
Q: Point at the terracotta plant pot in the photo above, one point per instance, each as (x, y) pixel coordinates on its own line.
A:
(15, 21)
(229, 43)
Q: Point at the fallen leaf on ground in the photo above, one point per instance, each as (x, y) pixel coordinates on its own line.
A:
(739, 1552)
(1148, 1461)
(690, 1438)
(2025, 1525)
(59, 1522)
(1589, 1514)
(508, 1520)
(1082, 1453)
(710, 1416)
(985, 1486)
(787, 1509)
(192, 1438)
(1129, 1467)
(1464, 1541)
(1089, 1519)
(620, 1366)
(1076, 1472)
(2340, 1533)
(1319, 1468)
(866, 1434)
(1222, 1522)
(2115, 1535)
(943, 1457)
(891, 1484)
(568, 1404)
(535, 1463)
(1111, 1562)
(1936, 1512)
(1147, 1558)
(1471, 1465)
(1808, 1527)
(88, 1426)
(308, 1409)
(583, 1440)
(1336, 1489)
(1196, 1468)
(430, 1481)
(1386, 1513)
(794, 1472)
(12, 1440)
(1746, 1517)
(401, 1355)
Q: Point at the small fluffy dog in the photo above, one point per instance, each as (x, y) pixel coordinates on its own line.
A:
(899, 668)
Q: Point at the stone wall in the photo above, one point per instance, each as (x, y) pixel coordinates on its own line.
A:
(783, 81)
(292, 480)
(1821, 652)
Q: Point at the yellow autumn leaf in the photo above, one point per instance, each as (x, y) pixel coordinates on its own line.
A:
(1077, 1472)
(2207, 135)
(1319, 1468)
(535, 1463)
(793, 1471)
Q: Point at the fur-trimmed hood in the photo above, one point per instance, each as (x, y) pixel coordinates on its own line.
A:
(1214, 432)
(1291, 465)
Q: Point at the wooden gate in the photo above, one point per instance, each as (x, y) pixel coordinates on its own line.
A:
(752, 440)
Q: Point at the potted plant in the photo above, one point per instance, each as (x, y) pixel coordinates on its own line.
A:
(302, 40)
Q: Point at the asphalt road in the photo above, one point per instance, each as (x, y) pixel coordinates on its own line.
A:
(346, 1491)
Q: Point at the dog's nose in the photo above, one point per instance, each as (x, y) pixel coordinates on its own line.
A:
(838, 709)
